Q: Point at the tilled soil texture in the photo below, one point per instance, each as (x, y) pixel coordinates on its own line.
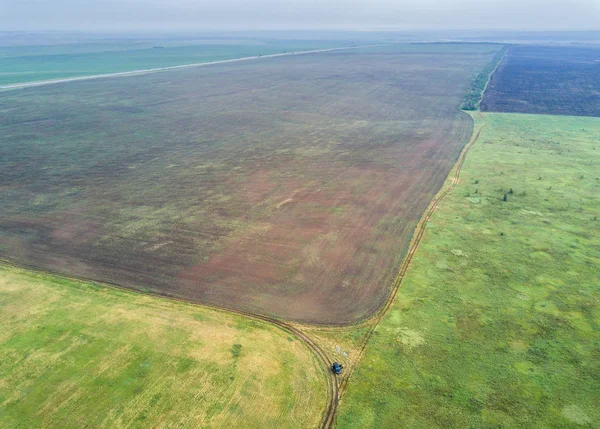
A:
(546, 80)
(287, 186)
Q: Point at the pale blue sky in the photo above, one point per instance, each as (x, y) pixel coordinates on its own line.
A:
(299, 14)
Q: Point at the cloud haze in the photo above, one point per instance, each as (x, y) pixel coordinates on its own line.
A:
(299, 14)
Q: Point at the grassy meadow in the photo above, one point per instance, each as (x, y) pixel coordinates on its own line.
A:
(497, 323)
(75, 355)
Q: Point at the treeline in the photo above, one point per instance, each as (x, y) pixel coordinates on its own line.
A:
(474, 94)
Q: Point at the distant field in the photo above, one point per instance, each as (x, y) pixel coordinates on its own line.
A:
(33, 63)
(289, 186)
(497, 321)
(548, 80)
(76, 355)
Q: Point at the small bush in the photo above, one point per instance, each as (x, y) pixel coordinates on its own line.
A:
(236, 350)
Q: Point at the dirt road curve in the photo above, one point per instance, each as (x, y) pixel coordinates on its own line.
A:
(160, 69)
(417, 237)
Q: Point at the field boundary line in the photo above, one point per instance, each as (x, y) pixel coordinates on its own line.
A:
(474, 134)
(181, 66)
(453, 179)
(374, 317)
(329, 412)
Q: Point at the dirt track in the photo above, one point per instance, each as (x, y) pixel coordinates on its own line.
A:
(419, 232)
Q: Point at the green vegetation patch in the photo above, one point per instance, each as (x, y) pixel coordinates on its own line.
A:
(77, 355)
(497, 324)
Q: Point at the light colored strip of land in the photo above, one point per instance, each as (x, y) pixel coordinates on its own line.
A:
(160, 69)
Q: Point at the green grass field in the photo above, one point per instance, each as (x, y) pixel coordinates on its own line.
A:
(497, 324)
(34, 63)
(76, 355)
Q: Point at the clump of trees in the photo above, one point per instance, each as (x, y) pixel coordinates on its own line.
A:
(474, 94)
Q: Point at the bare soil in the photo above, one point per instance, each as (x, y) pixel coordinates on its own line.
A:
(289, 187)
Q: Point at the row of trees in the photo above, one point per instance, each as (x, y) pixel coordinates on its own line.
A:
(475, 93)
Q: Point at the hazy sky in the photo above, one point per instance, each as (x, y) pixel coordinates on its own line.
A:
(299, 14)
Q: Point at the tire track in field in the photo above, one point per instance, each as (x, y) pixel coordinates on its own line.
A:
(374, 320)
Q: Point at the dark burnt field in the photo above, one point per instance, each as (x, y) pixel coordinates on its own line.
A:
(288, 186)
(546, 80)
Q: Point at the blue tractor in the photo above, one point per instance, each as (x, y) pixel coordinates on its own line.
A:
(337, 368)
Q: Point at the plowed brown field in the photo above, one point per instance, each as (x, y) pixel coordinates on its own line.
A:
(288, 186)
